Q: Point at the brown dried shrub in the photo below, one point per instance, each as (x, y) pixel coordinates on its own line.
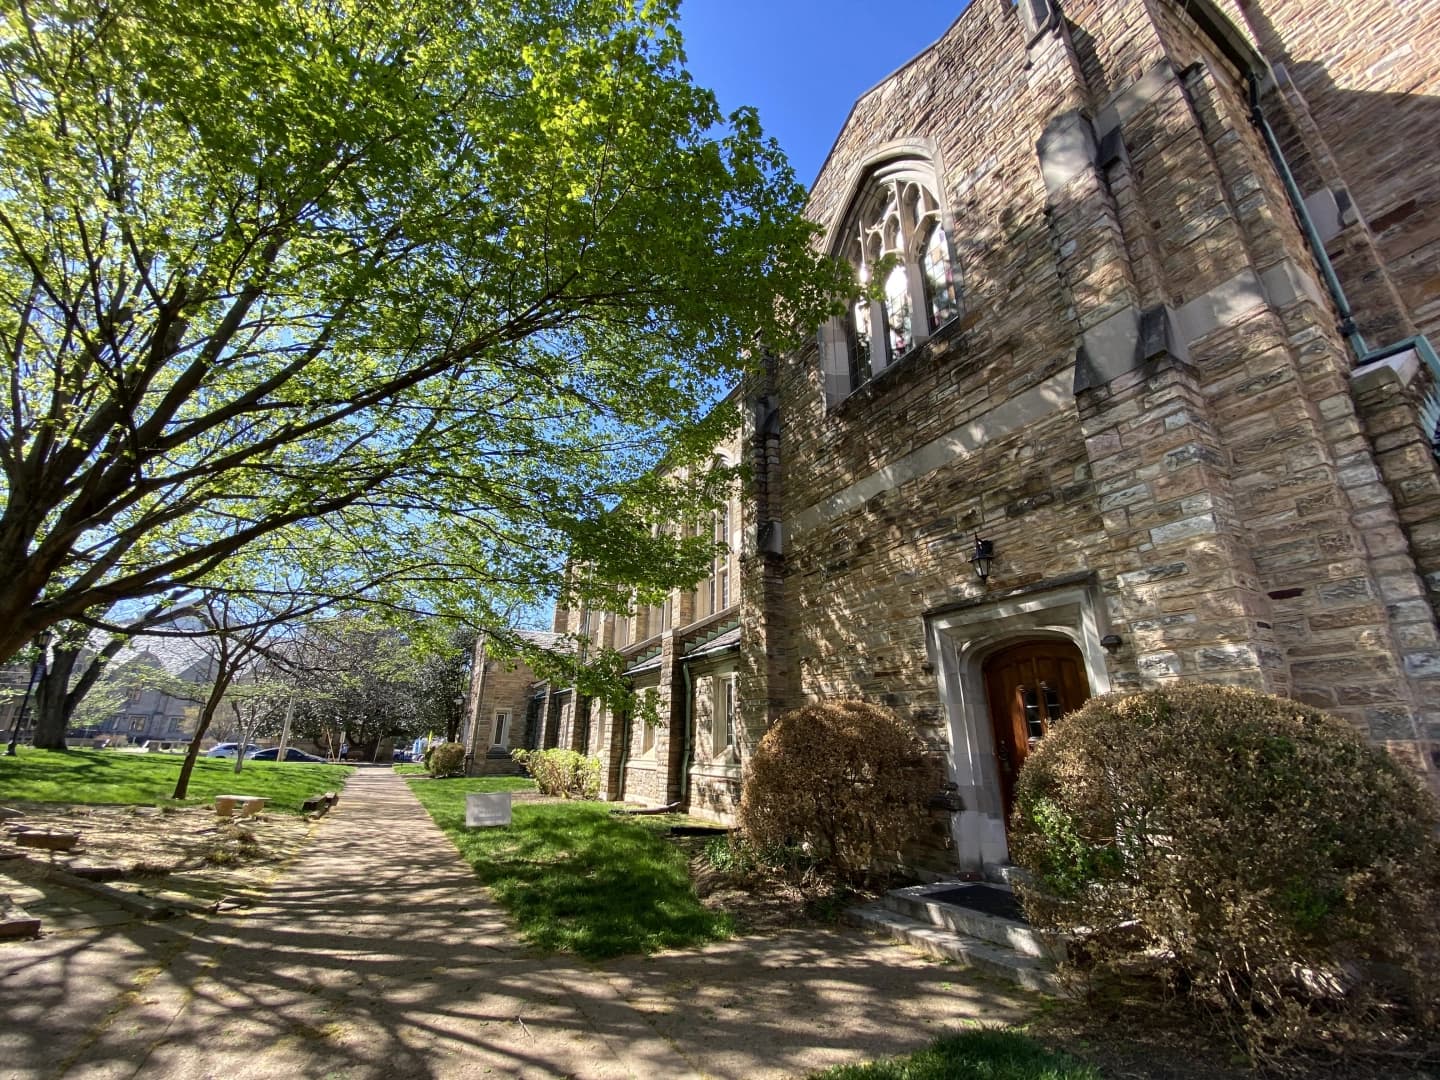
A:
(1258, 852)
(840, 785)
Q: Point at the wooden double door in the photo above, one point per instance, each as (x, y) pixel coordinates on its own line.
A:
(1030, 686)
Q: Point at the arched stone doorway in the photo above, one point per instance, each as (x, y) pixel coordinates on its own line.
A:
(1029, 686)
(962, 639)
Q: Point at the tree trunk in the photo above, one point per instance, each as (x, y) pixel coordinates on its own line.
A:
(48, 709)
(212, 705)
(56, 701)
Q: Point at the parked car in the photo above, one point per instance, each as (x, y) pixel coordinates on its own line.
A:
(230, 749)
(403, 757)
(291, 754)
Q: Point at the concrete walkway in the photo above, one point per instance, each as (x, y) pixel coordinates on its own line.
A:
(377, 955)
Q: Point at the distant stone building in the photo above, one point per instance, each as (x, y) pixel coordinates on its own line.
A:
(149, 714)
(681, 655)
(1147, 340)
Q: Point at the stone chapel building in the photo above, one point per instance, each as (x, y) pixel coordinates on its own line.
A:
(1156, 286)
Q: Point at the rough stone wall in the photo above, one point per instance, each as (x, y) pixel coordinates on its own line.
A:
(657, 776)
(1147, 385)
(1366, 92)
(645, 780)
(496, 685)
(715, 777)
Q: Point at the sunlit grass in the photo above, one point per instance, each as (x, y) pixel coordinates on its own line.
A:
(576, 877)
(985, 1054)
(112, 777)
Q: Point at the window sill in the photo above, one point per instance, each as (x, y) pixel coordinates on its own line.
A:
(940, 343)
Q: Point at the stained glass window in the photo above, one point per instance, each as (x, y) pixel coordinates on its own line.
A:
(939, 278)
(896, 223)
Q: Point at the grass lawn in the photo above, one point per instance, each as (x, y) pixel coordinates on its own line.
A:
(576, 877)
(109, 776)
(971, 1055)
(411, 770)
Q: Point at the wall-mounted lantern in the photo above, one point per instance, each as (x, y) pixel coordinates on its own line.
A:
(983, 557)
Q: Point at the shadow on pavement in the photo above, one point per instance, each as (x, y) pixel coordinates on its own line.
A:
(372, 960)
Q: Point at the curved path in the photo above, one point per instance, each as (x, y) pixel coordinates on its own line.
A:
(377, 955)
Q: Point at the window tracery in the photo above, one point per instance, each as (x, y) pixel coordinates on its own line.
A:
(895, 238)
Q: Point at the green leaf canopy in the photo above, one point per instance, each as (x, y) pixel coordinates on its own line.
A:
(424, 284)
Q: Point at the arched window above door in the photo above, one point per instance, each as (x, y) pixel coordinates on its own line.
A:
(894, 237)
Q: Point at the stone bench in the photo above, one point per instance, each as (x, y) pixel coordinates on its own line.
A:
(248, 805)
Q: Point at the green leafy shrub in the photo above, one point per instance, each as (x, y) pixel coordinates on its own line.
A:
(566, 774)
(1259, 851)
(845, 783)
(731, 856)
(447, 759)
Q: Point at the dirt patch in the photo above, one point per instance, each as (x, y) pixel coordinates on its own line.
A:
(760, 901)
(756, 905)
(187, 851)
(1133, 1039)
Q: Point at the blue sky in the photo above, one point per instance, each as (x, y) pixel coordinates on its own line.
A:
(803, 63)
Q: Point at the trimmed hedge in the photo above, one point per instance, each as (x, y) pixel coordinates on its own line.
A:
(566, 774)
(447, 759)
(837, 787)
(1258, 851)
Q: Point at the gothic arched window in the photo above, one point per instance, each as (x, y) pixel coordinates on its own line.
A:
(895, 239)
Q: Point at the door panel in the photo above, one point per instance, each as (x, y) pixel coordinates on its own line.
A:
(1030, 686)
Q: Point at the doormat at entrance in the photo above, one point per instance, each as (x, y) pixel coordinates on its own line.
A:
(983, 898)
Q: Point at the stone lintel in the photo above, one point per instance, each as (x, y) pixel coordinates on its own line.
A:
(1398, 368)
(1125, 342)
(1285, 283)
(1331, 210)
(1024, 408)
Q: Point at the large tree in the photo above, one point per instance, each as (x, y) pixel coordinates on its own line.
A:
(76, 661)
(356, 680)
(425, 281)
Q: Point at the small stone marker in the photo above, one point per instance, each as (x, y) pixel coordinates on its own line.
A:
(16, 921)
(487, 810)
(48, 841)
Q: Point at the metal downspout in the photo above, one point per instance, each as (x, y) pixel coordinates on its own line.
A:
(1363, 353)
(629, 730)
(689, 750)
(1312, 236)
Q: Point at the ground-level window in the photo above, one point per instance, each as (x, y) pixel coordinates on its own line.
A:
(137, 723)
(501, 736)
(722, 718)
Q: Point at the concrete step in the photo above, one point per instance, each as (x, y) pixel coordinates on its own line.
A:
(1030, 972)
(920, 903)
(1007, 874)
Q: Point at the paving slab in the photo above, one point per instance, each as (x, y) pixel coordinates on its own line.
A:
(376, 957)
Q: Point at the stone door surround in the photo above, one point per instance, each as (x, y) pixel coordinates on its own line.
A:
(959, 639)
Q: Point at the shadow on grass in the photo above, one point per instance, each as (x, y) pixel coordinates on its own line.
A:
(577, 878)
